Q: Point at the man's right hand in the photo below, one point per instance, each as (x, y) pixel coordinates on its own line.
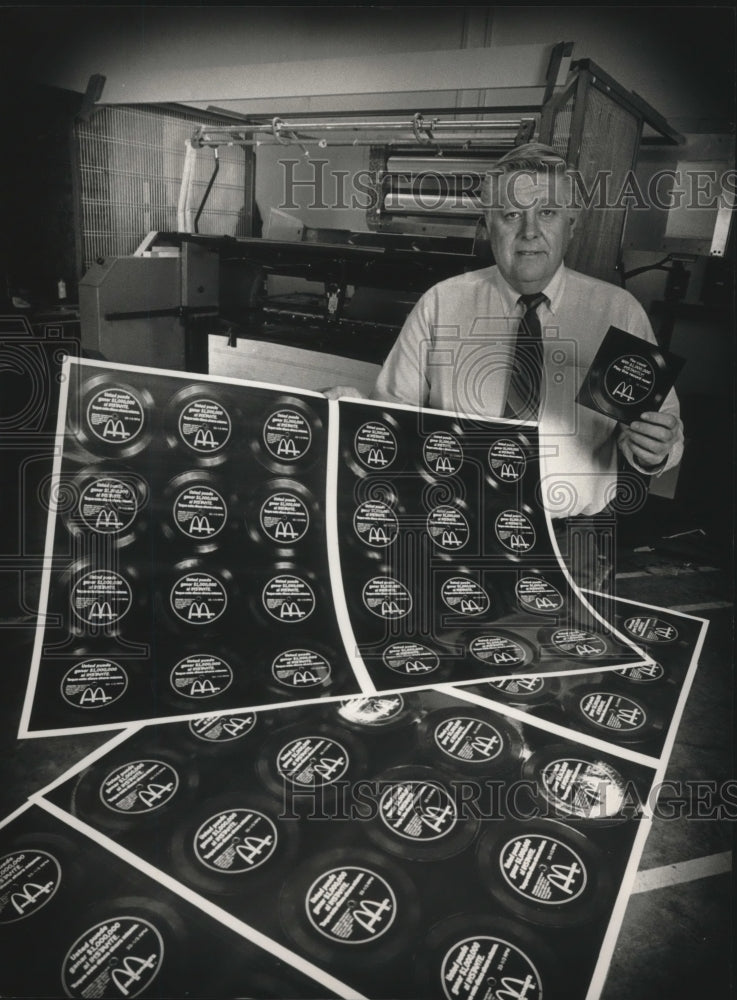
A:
(343, 390)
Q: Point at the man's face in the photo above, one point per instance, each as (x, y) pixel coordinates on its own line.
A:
(530, 228)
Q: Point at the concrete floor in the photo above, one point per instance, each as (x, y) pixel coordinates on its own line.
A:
(677, 939)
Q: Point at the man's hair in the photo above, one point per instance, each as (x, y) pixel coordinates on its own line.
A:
(530, 157)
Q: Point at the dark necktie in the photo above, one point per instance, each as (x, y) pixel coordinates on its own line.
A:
(523, 395)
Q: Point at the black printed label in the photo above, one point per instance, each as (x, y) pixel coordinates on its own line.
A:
(351, 905)
(487, 968)
(235, 841)
(376, 524)
(587, 789)
(468, 740)
(222, 728)
(521, 687)
(418, 810)
(28, 880)
(410, 658)
(101, 597)
(287, 435)
(543, 869)
(119, 957)
(643, 673)
(198, 599)
(575, 642)
(140, 786)
(630, 379)
(536, 594)
(448, 528)
(204, 426)
(515, 531)
(201, 676)
(651, 629)
(115, 416)
(108, 506)
(613, 711)
(464, 596)
(507, 461)
(376, 711)
(498, 650)
(288, 599)
(312, 761)
(442, 453)
(300, 668)
(200, 512)
(375, 446)
(94, 684)
(284, 518)
(387, 598)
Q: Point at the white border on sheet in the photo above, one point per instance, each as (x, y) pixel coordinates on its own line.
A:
(48, 551)
(336, 575)
(213, 911)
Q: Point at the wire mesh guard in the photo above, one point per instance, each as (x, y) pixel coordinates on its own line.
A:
(130, 165)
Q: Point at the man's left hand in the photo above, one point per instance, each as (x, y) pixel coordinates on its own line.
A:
(652, 437)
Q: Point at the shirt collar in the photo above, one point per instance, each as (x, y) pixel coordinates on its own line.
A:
(553, 290)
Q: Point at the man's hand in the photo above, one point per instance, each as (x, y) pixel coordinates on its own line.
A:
(343, 390)
(652, 437)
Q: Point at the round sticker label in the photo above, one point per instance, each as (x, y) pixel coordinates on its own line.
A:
(375, 446)
(471, 965)
(418, 810)
(575, 642)
(587, 789)
(543, 869)
(94, 684)
(119, 957)
(140, 786)
(630, 379)
(198, 599)
(613, 711)
(376, 524)
(288, 599)
(115, 416)
(312, 761)
(287, 435)
(200, 512)
(201, 676)
(387, 598)
(108, 506)
(300, 668)
(643, 673)
(284, 518)
(351, 905)
(442, 453)
(515, 531)
(448, 528)
(651, 629)
(498, 650)
(464, 596)
(204, 426)
(507, 461)
(235, 841)
(536, 594)
(376, 711)
(410, 658)
(222, 728)
(28, 880)
(468, 740)
(101, 597)
(521, 687)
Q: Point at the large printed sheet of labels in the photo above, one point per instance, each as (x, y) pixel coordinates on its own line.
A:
(216, 544)
(451, 842)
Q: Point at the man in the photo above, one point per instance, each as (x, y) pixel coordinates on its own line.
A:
(464, 347)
